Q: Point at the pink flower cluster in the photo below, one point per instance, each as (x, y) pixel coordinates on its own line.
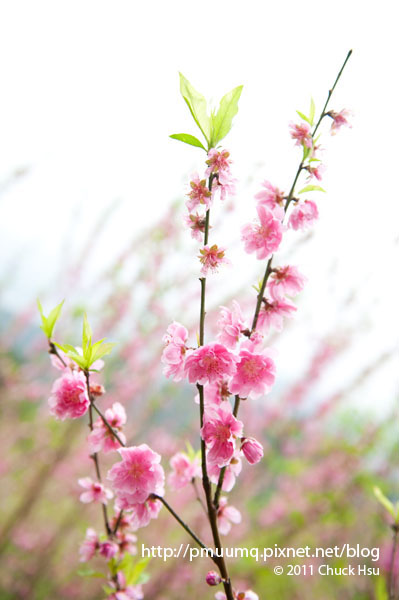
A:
(101, 438)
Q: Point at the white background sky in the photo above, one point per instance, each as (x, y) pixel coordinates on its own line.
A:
(90, 94)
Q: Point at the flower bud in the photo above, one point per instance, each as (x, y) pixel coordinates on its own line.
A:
(252, 449)
(213, 578)
(108, 549)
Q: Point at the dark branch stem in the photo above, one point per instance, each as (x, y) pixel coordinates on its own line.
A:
(391, 572)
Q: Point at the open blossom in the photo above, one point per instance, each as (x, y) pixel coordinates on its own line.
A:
(141, 514)
(137, 475)
(303, 215)
(219, 165)
(252, 450)
(316, 172)
(96, 492)
(211, 258)
(254, 376)
(264, 237)
(339, 119)
(101, 438)
(302, 134)
(273, 198)
(226, 515)
(199, 193)
(230, 325)
(197, 225)
(184, 470)
(232, 470)
(69, 398)
(89, 546)
(285, 281)
(219, 432)
(272, 313)
(209, 364)
(175, 350)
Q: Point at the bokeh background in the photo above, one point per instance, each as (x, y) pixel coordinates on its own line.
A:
(92, 199)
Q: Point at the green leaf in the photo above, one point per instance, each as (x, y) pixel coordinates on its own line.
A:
(188, 139)
(108, 590)
(222, 121)
(49, 322)
(87, 335)
(134, 572)
(304, 117)
(311, 188)
(387, 504)
(197, 105)
(381, 592)
(312, 111)
(90, 573)
(102, 350)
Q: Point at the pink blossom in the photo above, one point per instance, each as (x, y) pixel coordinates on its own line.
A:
(126, 542)
(272, 198)
(199, 193)
(316, 172)
(230, 325)
(69, 398)
(141, 514)
(264, 237)
(285, 280)
(213, 578)
(232, 470)
(272, 314)
(184, 470)
(197, 225)
(89, 546)
(252, 449)
(96, 492)
(175, 350)
(215, 393)
(219, 165)
(339, 119)
(100, 438)
(209, 364)
(254, 343)
(108, 549)
(254, 376)
(211, 258)
(124, 591)
(302, 134)
(226, 515)
(303, 215)
(219, 432)
(138, 475)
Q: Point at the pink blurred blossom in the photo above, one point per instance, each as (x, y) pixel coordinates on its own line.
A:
(272, 198)
(108, 549)
(302, 134)
(96, 492)
(184, 470)
(232, 470)
(285, 280)
(272, 314)
(230, 325)
(175, 350)
(340, 119)
(141, 514)
(89, 546)
(226, 515)
(100, 438)
(303, 215)
(197, 225)
(264, 237)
